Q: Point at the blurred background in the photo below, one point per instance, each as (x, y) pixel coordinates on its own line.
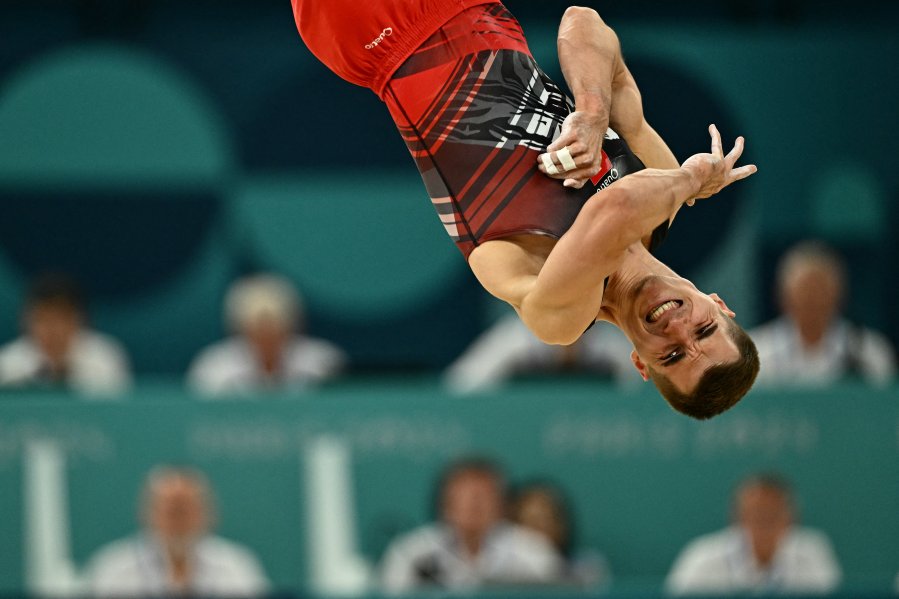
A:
(186, 191)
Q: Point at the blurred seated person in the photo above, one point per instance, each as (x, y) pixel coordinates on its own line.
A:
(543, 508)
(58, 349)
(508, 349)
(764, 551)
(175, 554)
(472, 546)
(811, 343)
(267, 350)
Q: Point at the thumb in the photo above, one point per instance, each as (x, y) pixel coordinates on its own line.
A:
(574, 183)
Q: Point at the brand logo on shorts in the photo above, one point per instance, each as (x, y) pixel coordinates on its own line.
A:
(388, 31)
(607, 174)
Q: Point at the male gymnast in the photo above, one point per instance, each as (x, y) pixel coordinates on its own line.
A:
(547, 221)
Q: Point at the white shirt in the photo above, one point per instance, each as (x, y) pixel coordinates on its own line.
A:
(722, 562)
(134, 567)
(508, 348)
(430, 556)
(785, 361)
(230, 366)
(97, 365)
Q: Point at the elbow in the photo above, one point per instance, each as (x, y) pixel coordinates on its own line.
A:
(554, 325)
(562, 335)
(581, 14)
(583, 18)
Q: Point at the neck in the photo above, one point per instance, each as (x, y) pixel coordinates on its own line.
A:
(637, 264)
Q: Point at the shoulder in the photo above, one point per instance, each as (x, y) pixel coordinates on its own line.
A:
(228, 352)
(424, 537)
(313, 347)
(809, 539)
(524, 541)
(115, 559)
(235, 566)
(712, 546)
(18, 349)
(226, 552)
(99, 343)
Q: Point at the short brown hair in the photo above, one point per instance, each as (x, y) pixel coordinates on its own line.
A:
(721, 386)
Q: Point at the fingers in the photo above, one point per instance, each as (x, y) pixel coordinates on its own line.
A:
(575, 183)
(716, 141)
(571, 162)
(565, 139)
(564, 156)
(736, 152)
(742, 172)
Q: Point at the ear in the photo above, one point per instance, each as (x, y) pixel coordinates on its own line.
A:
(717, 299)
(640, 366)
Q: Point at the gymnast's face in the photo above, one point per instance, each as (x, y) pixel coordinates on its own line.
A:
(677, 330)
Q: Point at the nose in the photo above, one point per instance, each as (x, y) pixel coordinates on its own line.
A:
(677, 325)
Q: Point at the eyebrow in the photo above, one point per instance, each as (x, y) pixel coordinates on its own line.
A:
(705, 334)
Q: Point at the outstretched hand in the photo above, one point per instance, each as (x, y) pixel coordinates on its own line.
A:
(575, 155)
(715, 171)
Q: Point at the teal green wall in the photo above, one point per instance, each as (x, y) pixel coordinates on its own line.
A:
(159, 181)
(643, 479)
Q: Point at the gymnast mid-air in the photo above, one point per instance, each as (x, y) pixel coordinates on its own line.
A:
(556, 206)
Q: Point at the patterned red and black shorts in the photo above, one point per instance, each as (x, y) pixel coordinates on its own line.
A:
(475, 111)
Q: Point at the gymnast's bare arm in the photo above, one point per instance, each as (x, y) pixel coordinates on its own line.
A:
(556, 287)
(605, 93)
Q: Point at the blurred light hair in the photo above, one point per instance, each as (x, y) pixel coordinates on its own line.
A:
(262, 297)
(165, 472)
(810, 254)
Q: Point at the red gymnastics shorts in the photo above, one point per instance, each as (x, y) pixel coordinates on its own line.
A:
(475, 111)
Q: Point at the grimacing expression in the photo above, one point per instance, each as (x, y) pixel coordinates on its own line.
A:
(678, 331)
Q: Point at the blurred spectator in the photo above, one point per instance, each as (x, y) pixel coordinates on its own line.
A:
(542, 507)
(763, 551)
(509, 349)
(472, 546)
(57, 349)
(267, 350)
(175, 554)
(811, 344)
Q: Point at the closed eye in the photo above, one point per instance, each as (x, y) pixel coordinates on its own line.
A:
(673, 357)
(676, 355)
(707, 331)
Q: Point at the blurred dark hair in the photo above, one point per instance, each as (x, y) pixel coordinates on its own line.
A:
(58, 289)
(767, 480)
(465, 465)
(561, 504)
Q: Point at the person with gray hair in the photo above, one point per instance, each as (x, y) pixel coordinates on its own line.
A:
(811, 343)
(175, 554)
(763, 551)
(267, 350)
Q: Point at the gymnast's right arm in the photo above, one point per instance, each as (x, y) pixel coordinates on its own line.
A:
(558, 302)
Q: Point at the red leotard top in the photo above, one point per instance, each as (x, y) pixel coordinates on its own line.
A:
(365, 41)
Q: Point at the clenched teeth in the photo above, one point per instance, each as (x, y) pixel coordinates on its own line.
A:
(657, 313)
